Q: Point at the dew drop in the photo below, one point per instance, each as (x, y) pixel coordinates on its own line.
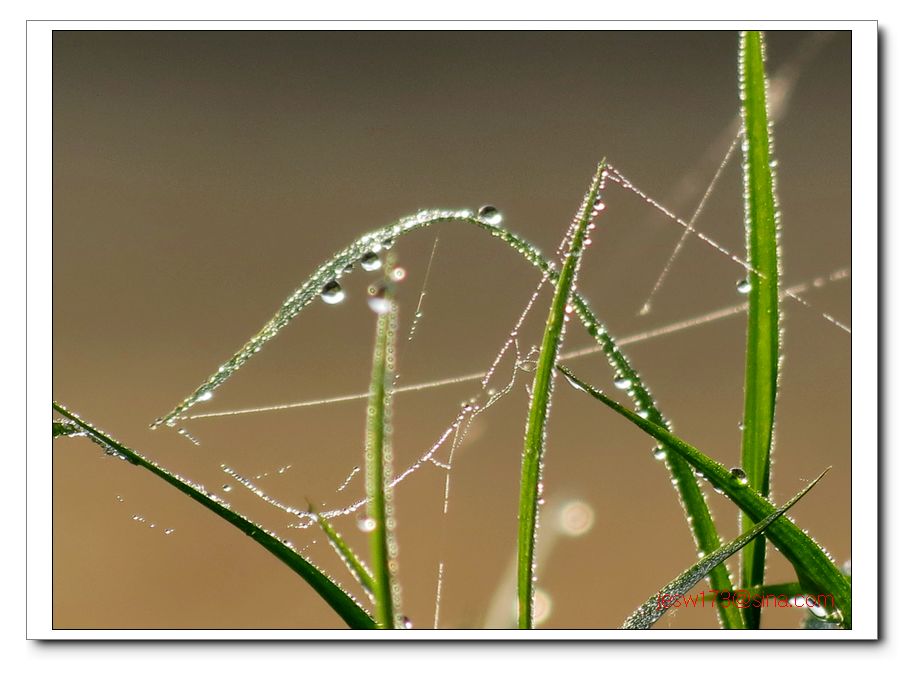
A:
(659, 454)
(367, 524)
(398, 274)
(743, 286)
(406, 623)
(167, 532)
(227, 488)
(622, 383)
(332, 293)
(206, 396)
(370, 261)
(377, 300)
(739, 475)
(490, 215)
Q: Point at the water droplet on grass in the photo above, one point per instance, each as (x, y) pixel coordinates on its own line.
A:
(367, 524)
(659, 454)
(490, 215)
(377, 300)
(622, 383)
(227, 488)
(743, 286)
(370, 261)
(739, 475)
(332, 293)
(207, 396)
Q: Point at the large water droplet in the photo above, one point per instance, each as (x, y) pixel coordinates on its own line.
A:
(659, 454)
(367, 524)
(227, 488)
(206, 396)
(406, 623)
(739, 475)
(332, 293)
(370, 261)
(377, 300)
(743, 286)
(490, 215)
(622, 383)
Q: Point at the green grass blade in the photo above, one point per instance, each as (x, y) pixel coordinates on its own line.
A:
(657, 605)
(535, 432)
(815, 569)
(761, 373)
(349, 557)
(378, 468)
(341, 602)
(703, 529)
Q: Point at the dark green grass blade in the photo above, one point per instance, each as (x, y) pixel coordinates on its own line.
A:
(535, 431)
(340, 601)
(653, 609)
(692, 500)
(815, 570)
(354, 563)
(761, 374)
(378, 468)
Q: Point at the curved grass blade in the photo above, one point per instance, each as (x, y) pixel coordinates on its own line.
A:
(535, 431)
(652, 610)
(341, 602)
(349, 557)
(815, 569)
(762, 363)
(378, 466)
(702, 526)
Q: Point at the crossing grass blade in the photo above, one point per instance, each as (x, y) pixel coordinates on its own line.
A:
(535, 431)
(657, 605)
(349, 557)
(341, 602)
(762, 359)
(378, 467)
(815, 570)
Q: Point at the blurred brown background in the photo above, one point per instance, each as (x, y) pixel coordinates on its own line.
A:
(199, 177)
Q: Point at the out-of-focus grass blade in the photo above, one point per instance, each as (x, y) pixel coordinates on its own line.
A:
(535, 432)
(815, 570)
(354, 563)
(340, 601)
(378, 464)
(761, 374)
(650, 611)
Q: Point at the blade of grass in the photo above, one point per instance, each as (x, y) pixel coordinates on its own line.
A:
(378, 465)
(703, 528)
(349, 557)
(761, 372)
(652, 610)
(341, 602)
(815, 569)
(535, 431)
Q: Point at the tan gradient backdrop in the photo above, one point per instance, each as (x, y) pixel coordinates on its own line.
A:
(199, 177)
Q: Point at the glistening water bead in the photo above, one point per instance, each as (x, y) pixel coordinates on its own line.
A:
(377, 300)
(490, 215)
(332, 293)
(743, 286)
(370, 261)
(739, 475)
